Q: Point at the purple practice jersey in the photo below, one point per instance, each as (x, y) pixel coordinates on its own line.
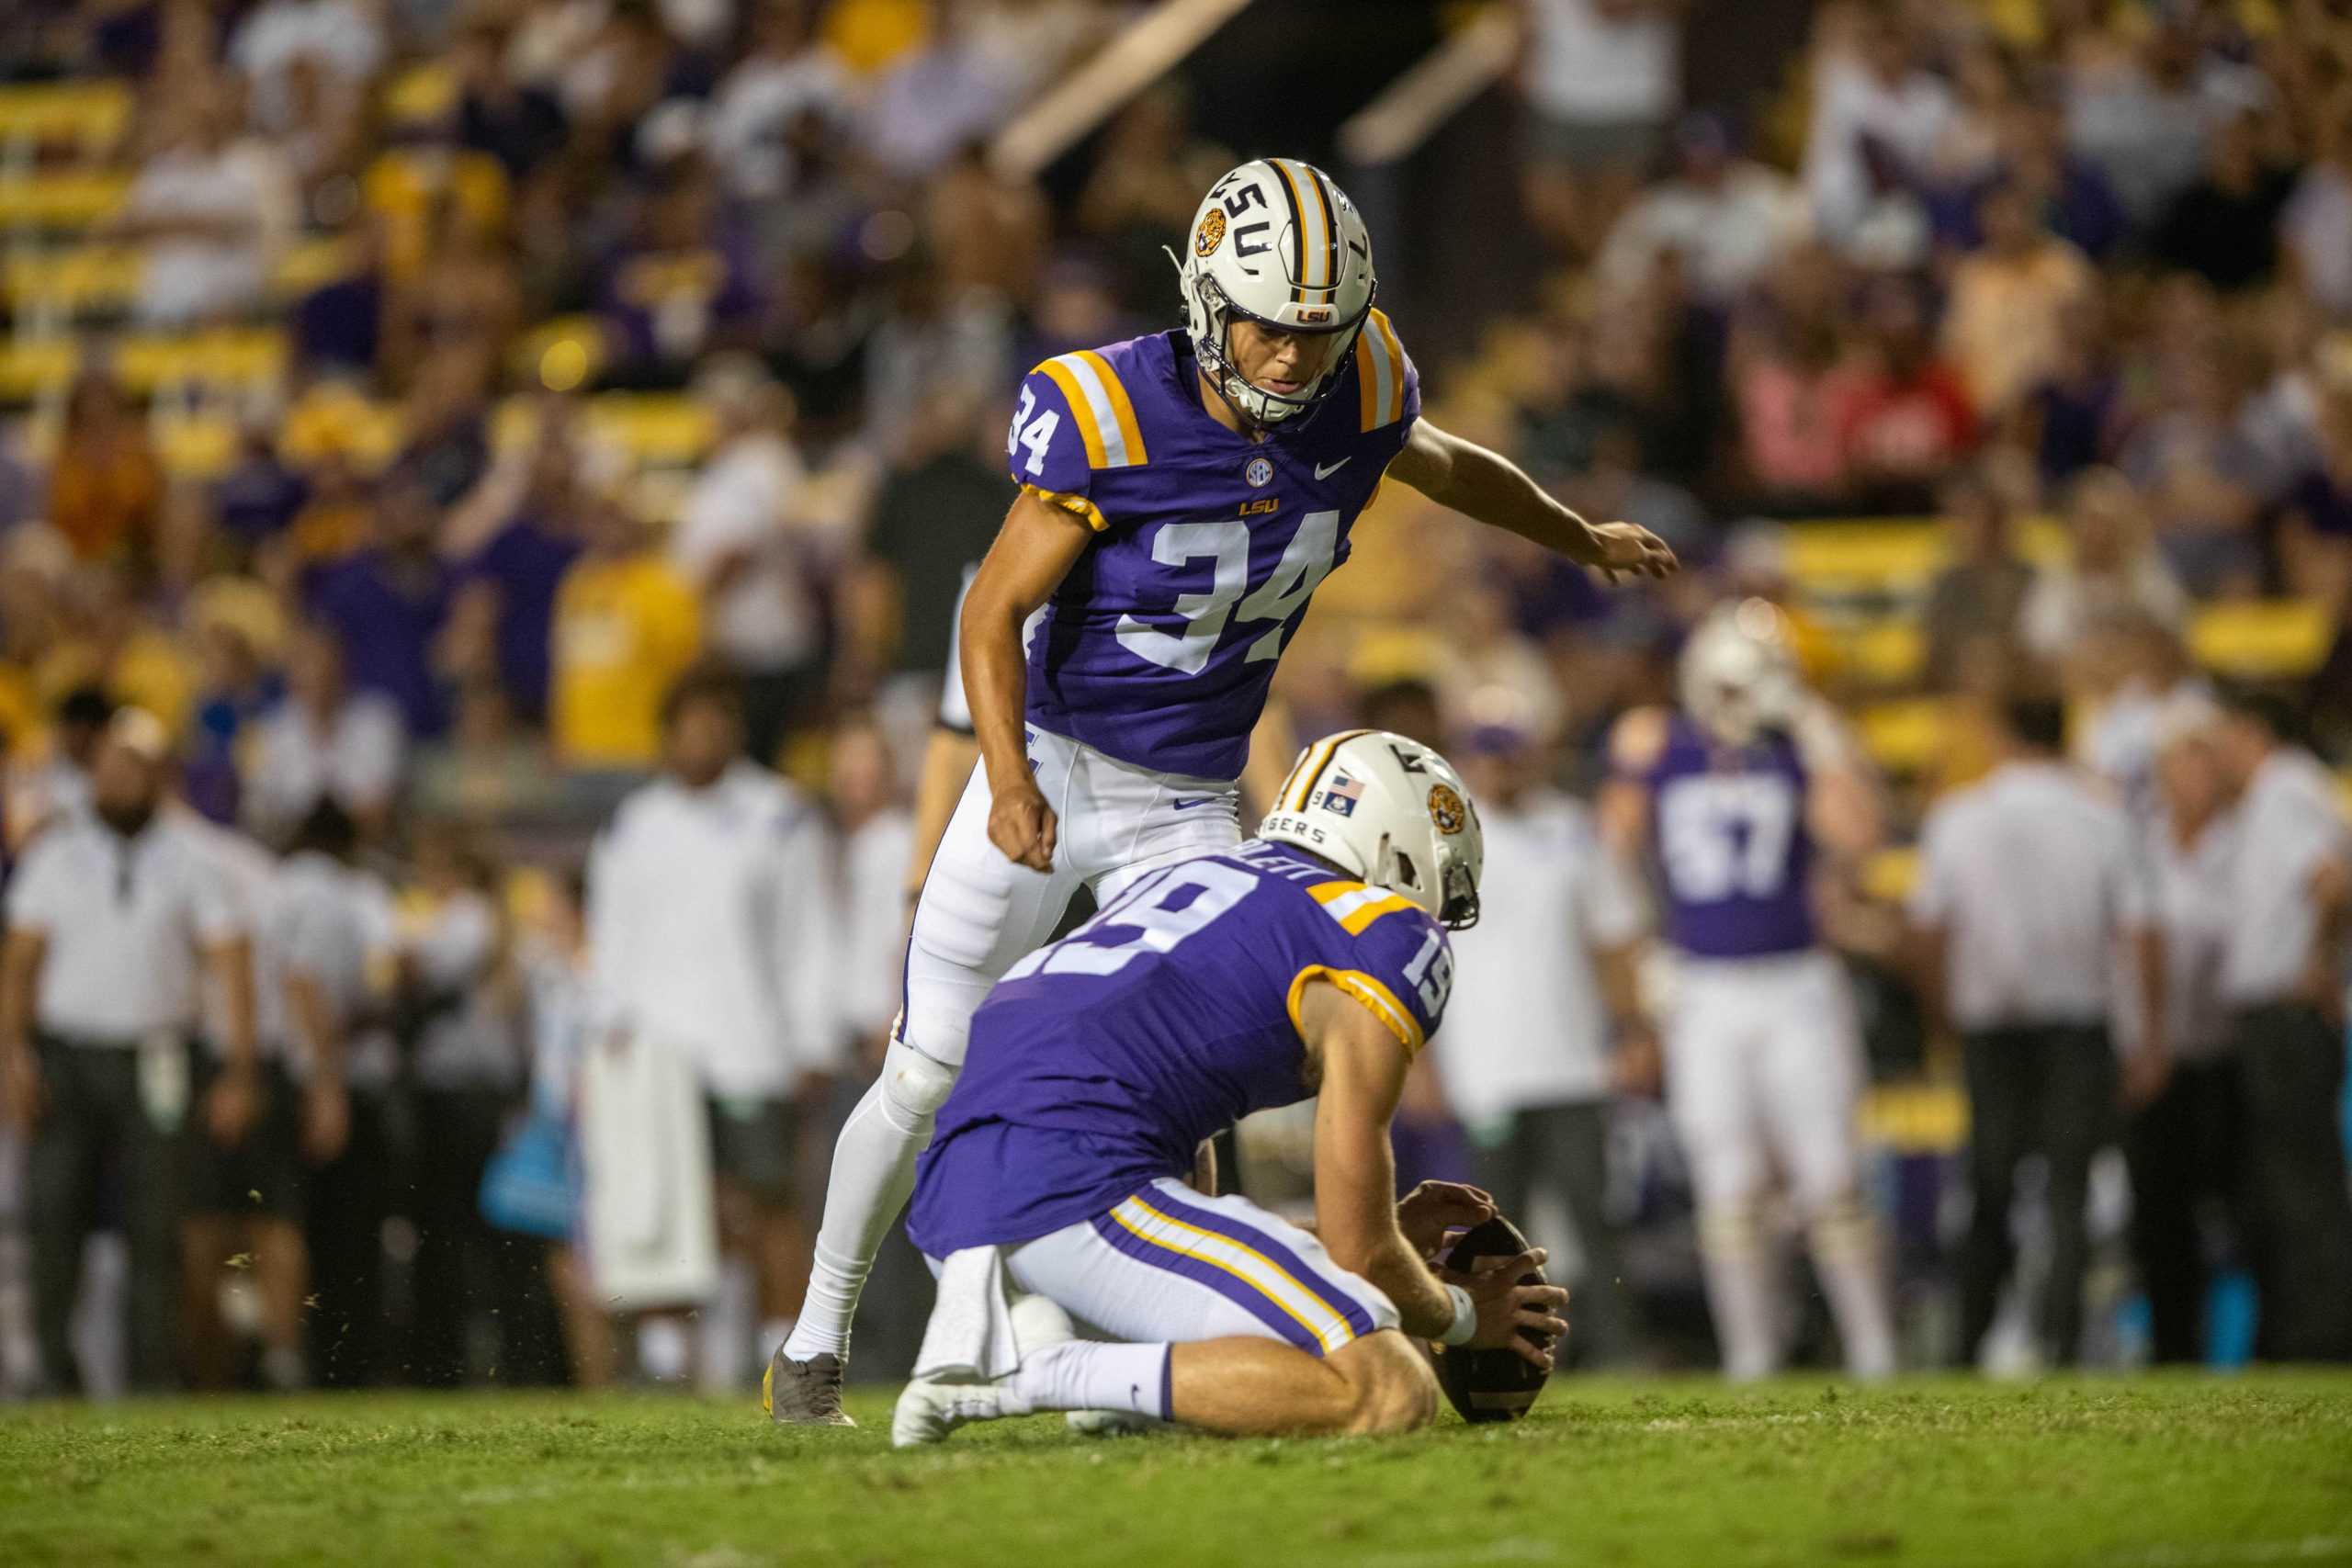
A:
(1099, 1064)
(1159, 647)
(1732, 844)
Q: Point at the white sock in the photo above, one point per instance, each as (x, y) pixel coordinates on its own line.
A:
(873, 1172)
(1740, 1297)
(772, 1334)
(1846, 1255)
(1082, 1375)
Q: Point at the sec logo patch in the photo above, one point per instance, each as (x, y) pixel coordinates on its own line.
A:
(1447, 811)
(1211, 233)
(1260, 472)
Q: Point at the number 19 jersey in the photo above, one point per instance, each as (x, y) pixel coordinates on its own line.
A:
(1159, 648)
(1099, 1064)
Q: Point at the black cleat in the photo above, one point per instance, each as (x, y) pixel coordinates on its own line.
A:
(804, 1394)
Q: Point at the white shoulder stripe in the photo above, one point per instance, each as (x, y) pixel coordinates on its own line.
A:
(1106, 418)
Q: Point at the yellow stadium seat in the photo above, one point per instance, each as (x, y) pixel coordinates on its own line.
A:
(1889, 875)
(2275, 639)
(420, 94)
(75, 280)
(98, 278)
(1888, 652)
(1916, 1118)
(197, 448)
(658, 429)
(90, 116)
(311, 264)
(233, 357)
(61, 200)
(333, 418)
(564, 355)
(30, 366)
(1905, 737)
(662, 431)
(1893, 556)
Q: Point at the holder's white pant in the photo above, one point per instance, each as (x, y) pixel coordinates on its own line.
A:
(1170, 1266)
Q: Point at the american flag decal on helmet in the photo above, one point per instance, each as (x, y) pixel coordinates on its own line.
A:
(1339, 797)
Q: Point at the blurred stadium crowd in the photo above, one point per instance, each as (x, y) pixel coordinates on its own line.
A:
(407, 398)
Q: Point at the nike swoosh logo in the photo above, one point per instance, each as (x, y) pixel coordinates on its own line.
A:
(1197, 800)
(1323, 473)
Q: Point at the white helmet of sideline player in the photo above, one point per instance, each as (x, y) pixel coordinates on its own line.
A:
(1390, 811)
(1738, 675)
(1275, 242)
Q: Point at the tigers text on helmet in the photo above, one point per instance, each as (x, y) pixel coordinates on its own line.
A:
(1275, 242)
(1738, 675)
(1390, 811)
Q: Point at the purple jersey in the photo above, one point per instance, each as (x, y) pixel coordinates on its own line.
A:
(1159, 647)
(1733, 850)
(1099, 1064)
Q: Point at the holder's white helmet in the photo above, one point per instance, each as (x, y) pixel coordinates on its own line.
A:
(1390, 811)
(1738, 675)
(1275, 242)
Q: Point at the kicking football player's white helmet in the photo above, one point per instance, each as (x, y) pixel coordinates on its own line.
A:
(1275, 242)
(1390, 811)
(1738, 675)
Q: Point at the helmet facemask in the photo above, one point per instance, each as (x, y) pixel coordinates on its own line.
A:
(1210, 316)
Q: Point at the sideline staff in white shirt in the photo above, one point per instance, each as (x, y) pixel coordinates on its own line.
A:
(1542, 986)
(2185, 1142)
(2027, 882)
(109, 916)
(710, 925)
(2283, 979)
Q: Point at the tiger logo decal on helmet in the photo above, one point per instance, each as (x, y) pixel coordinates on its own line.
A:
(1211, 233)
(1446, 809)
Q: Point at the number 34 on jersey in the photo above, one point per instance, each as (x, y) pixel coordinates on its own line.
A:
(1159, 648)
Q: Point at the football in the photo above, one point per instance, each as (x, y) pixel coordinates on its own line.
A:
(1491, 1385)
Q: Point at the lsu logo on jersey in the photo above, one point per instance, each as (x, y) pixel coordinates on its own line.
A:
(1211, 233)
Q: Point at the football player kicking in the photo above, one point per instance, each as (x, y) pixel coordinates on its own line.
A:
(1741, 795)
(1311, 960)
(1181, 497)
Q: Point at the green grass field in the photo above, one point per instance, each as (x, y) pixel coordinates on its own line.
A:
(2137, 1473)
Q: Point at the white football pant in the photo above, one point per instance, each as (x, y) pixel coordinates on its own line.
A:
(1764, 1074)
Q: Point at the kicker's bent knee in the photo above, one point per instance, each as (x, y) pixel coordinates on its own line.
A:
(1394, 1390)
(914, 1085)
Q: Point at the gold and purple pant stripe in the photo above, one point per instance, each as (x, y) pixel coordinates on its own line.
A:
(1248, 1265)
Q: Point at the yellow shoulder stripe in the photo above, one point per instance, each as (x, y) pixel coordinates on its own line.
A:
(1123, 408)
(1369, 991)
(1105, 414)
(1380, 373)
(1355, 906)
(1395, 408)
(1081, 409)
(1077, 505)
